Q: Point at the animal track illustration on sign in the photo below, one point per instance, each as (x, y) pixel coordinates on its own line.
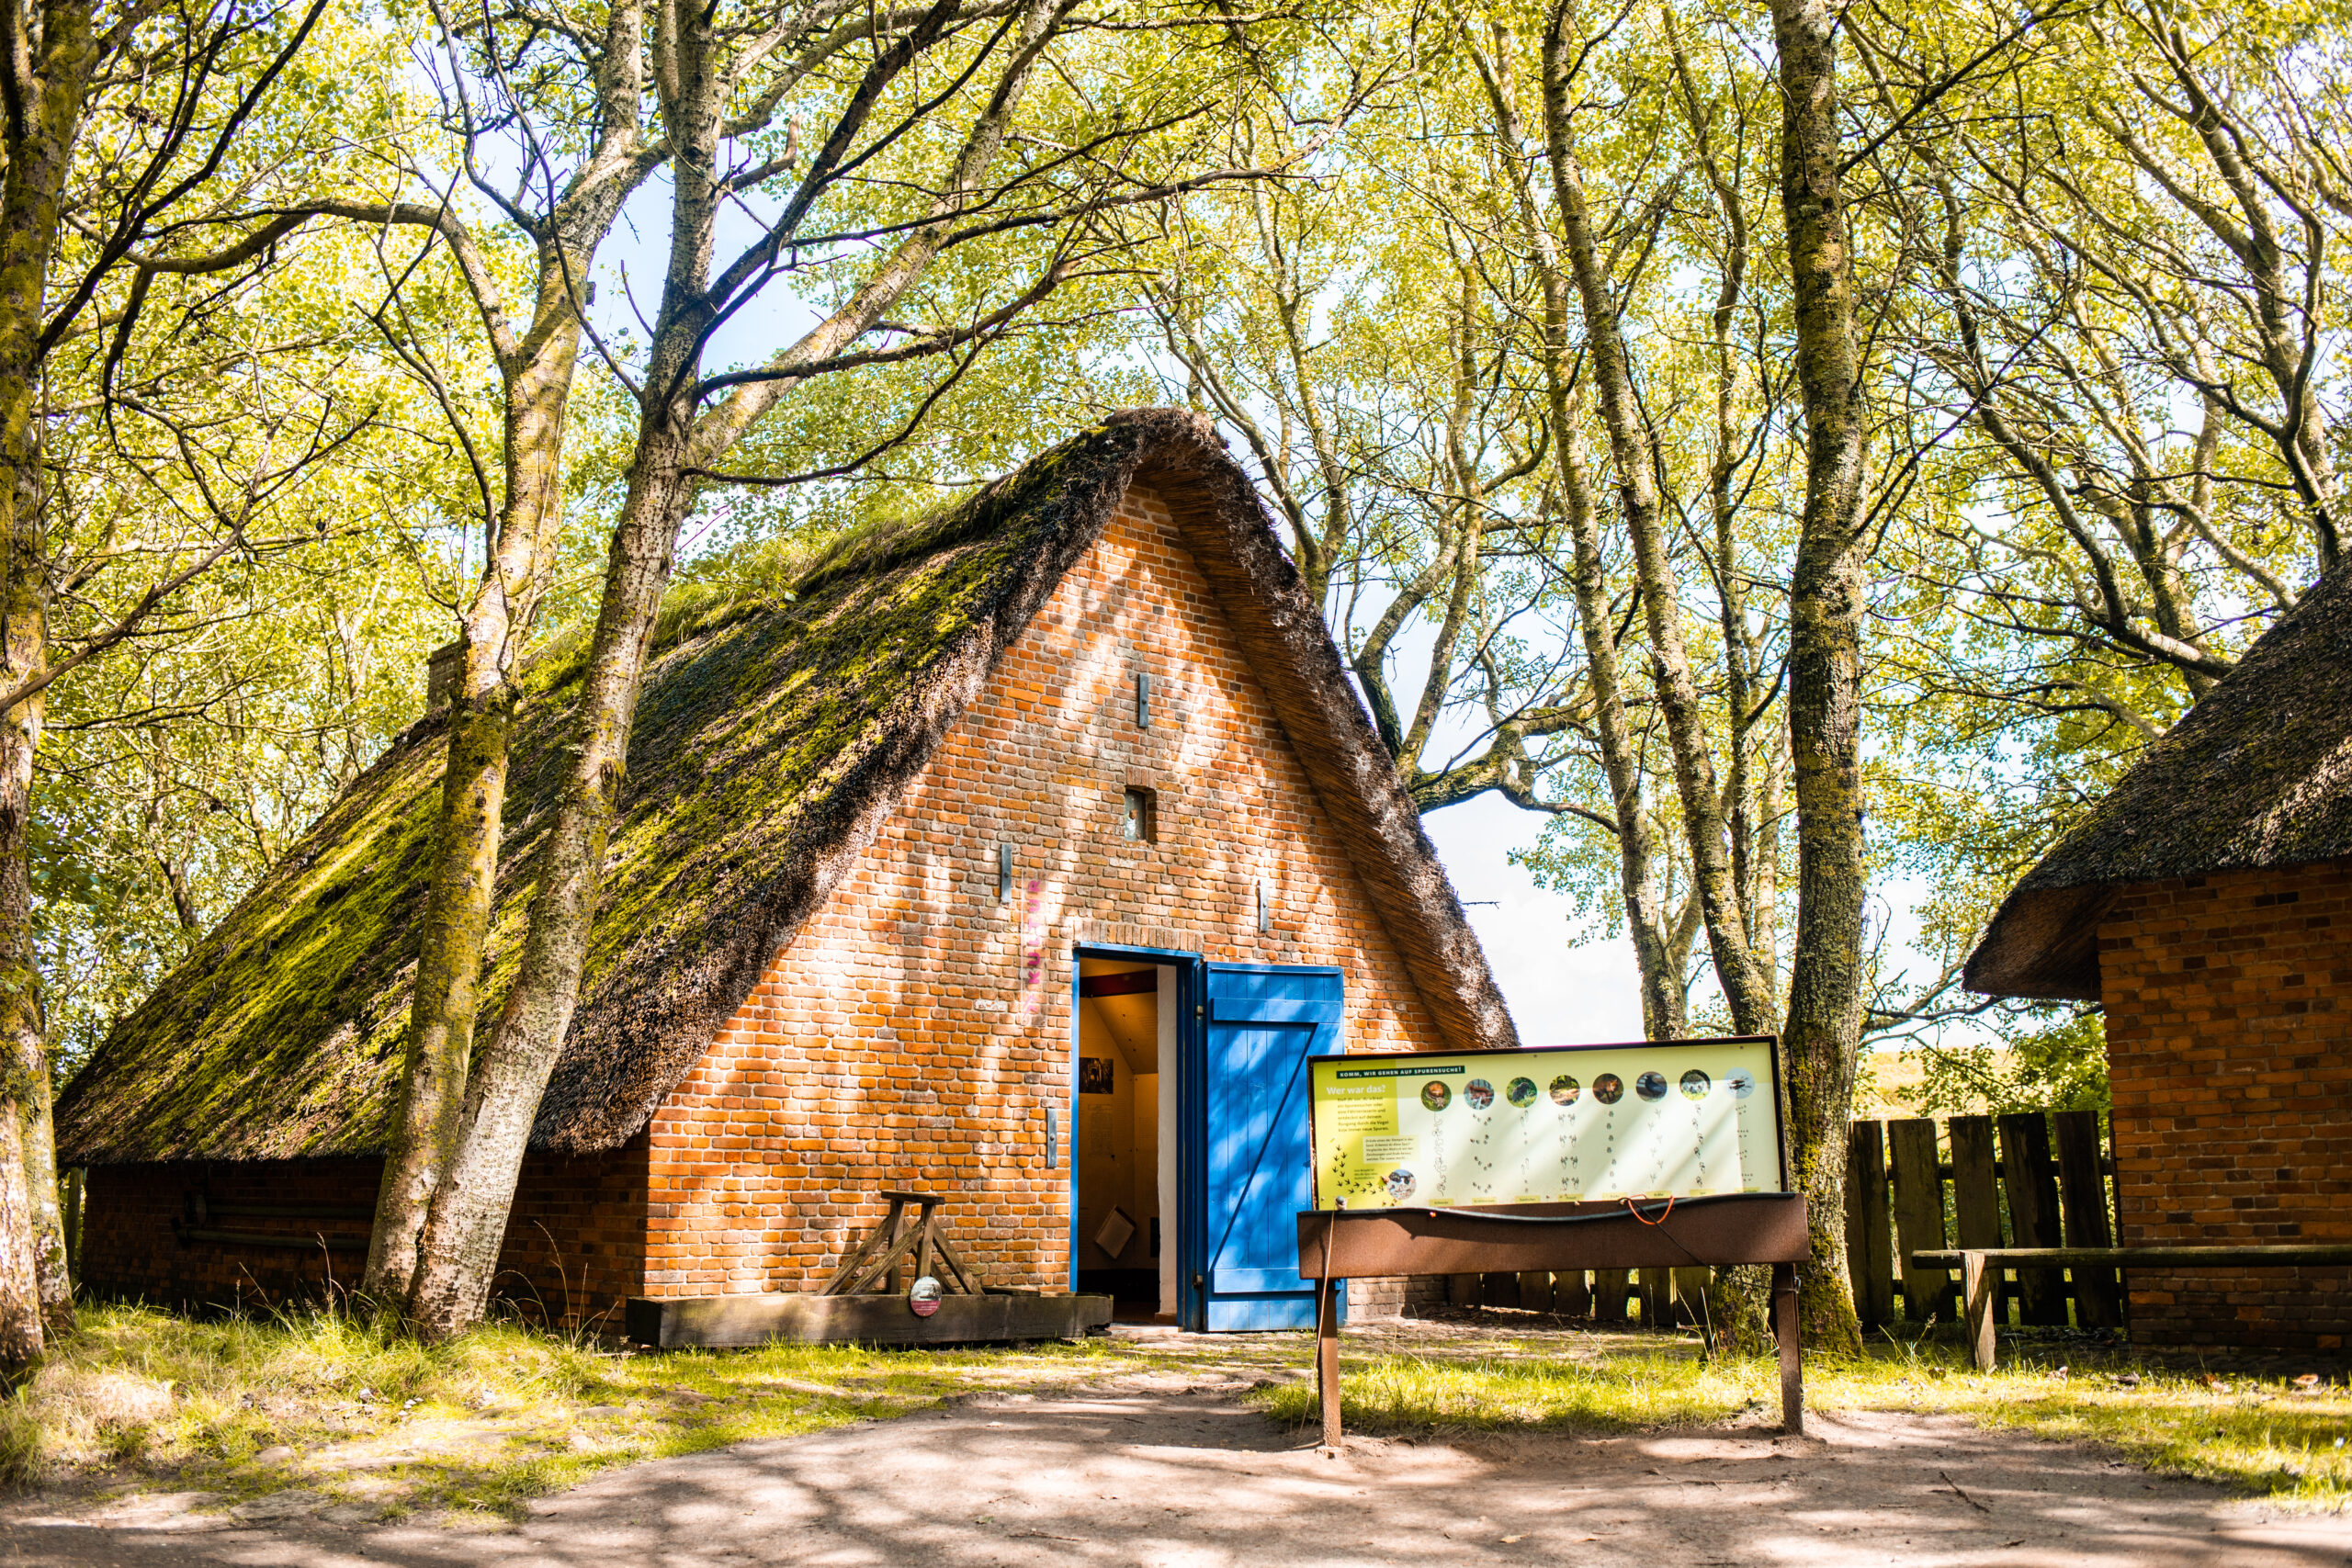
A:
(1539, 1126)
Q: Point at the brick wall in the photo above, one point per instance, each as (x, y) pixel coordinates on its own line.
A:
(913, 1034)
(2227, 999)
(574, 1249)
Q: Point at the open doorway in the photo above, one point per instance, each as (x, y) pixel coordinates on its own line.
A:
(1126, 1162)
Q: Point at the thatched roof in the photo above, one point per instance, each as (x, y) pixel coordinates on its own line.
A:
(767, 749)
(2257, 774)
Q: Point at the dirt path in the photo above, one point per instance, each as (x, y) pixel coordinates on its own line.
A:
(1193, 1480)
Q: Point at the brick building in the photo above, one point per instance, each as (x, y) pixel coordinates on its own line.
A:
(953, 866)
(2205, 904)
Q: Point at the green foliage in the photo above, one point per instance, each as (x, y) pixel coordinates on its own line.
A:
(2057, 1064)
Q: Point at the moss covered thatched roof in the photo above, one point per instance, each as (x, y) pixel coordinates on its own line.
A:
(766, 751)
(2258, 773)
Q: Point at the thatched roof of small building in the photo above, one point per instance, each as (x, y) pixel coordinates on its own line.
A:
(2258, 773)
(768, 747)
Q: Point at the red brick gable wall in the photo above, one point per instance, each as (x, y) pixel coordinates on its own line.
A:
(916, 1029)
(2228, 998)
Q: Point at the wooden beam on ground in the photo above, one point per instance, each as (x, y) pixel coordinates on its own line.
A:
(803, 1319)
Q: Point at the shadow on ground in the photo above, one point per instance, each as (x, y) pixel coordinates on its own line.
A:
(1160, 1476)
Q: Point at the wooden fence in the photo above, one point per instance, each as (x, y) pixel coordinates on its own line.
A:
(2035, 1179)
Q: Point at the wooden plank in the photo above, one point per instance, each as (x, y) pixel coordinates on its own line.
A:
(2282, 1255)
(1462, 1289)
(1498, 1290)
(2030, 1182)
(1785, 1331)
(1609, 1289)
(1690, 1295)
(1535, 1292)
(256, 1238)
(1919, 1216)
(2082, 1198)
(1657, 1298)
(808, 1319)
(1572, 1293)
(1980, 1283)
(1870, 1244)
(1975, 1194)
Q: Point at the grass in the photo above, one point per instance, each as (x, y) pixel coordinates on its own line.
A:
(347, 1417)
(2262, 1436)
(323, 1403)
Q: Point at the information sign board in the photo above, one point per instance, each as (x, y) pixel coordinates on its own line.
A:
(1461, 1129)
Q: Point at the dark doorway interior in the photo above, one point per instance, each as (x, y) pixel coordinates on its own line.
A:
(1119, 1142)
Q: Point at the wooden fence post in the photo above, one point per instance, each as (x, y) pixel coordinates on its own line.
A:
(1657, 1298)
(1869, 1248)
(2082, 1190)
(1609, 1288)
(2033, 1188)
(1919, 1217)
(1980, 1288)
(1976, 1199)
(1535, 1292)
(1690, 1295)
(1571, 1295)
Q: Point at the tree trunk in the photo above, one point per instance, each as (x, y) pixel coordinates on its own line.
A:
(39, 149)
(24, 1060)
(1749, 992)
(466, 1224)
(473, 795)
(1824, 1029)
(1646, 920)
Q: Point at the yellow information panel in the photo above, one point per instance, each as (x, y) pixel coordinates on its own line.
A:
(1680, 1117)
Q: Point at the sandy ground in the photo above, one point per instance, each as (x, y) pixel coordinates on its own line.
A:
(1164, 1475)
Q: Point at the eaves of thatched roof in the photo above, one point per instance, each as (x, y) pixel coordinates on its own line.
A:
(2258, 773)
(767, 749)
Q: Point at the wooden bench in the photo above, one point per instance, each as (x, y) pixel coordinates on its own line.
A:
(1980, 1270)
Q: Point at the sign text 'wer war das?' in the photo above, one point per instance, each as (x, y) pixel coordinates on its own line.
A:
(1674, 1117)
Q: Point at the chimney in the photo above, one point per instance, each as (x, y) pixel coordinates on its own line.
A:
(445, 671)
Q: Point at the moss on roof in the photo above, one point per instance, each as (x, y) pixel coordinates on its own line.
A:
(769, 740)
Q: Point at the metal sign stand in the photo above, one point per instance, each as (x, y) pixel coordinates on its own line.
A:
(1722, 1230)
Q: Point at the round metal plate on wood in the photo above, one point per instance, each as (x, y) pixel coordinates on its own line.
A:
(922, 1296)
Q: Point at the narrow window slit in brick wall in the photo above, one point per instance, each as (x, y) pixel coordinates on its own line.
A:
(1139, 816)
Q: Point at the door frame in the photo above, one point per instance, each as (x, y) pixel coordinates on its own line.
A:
(1190, 969)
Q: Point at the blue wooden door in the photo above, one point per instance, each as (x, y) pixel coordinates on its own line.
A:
(1261, 1023)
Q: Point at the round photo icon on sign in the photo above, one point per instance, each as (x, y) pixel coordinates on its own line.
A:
(1650, 1085)
(1741, 1082)
(1400, 1185)
(1521, 1092)
(1564, 1090)
(1479, 1093)
(1609, 1088)
(1695, 1084)
(1435, 1096)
